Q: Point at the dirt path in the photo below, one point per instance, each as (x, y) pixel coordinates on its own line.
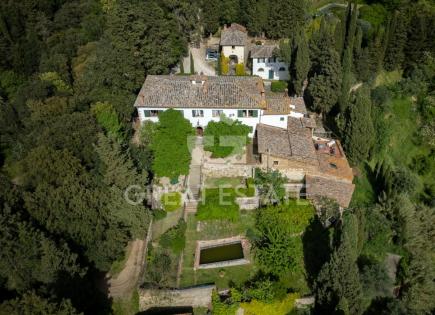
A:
(199, 62)
(126, 281)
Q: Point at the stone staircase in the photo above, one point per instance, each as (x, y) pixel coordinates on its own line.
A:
(194, 182)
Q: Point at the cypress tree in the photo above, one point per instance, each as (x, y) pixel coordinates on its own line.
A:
(338, 286)
(347, 60)
(181, 66)
(346, 81)
(323, 89)
(301, 64)
(394, 54)
(360, 132)
(192, 65)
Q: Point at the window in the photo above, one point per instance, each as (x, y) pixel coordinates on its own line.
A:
(233, 47)
(217, 112)
(281, 118)
(243, 113)
(151, 113)
(333, 165)
(275, 162)
(260, 70)
(282, 69)
(272, 59)
(261, 60)
(197, 113)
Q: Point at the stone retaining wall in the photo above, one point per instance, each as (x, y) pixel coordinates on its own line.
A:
(227, 170)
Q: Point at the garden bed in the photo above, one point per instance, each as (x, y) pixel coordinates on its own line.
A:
(212, 230)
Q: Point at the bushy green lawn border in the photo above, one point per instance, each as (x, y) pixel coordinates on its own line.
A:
(278, 86)
(171, 201)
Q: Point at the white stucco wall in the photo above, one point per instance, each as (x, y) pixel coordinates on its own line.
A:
(274, 120)
(271, 120)
(278, 75)
(208, 116)
(239, 51)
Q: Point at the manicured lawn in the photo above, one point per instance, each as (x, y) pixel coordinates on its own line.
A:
(244, 186)
(211, 230)
(218, 204)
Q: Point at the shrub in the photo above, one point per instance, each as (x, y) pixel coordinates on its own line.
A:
(174, 238)
(217, 207)
(240, 69)
(223, 307)
(282, 307)
(224, 64)
(278, 86)
(159, 214)
(229, 137)
(270, 186)
(171, 201)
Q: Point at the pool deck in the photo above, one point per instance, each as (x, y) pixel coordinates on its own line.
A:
(220, 242)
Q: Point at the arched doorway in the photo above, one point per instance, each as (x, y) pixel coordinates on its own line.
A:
(199, 131)
(233, 59)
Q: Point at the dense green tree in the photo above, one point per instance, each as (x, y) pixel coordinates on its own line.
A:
(62, 198)
(277, 241)
(359, 132)
(325, 73)
(323, 87)
(286, 18)
(338, 286)
(119, 173)
(395, 55)
(32, 304)
(170, 145)
(419, 39)
(255, 15)
(29, 258)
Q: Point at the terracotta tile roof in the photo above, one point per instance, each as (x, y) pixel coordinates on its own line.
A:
(299, 104)
(263, 51)
(341, 191)
(277, 105)
(172, 91)
(332, 161)
(235, 35)
(294, 143)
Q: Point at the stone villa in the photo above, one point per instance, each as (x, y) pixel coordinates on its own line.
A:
(233, 42)
(283, 131)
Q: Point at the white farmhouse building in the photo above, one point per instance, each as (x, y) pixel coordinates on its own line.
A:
(233, 41)
(266, 65)
(202, 99)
